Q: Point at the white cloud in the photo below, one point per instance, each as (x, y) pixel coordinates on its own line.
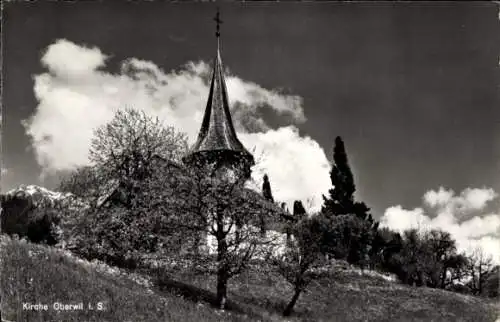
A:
(297, 166)
(438, 198)
(482, 229)
(400, 219)
(76, 96)
(65, 58)
(478, 198)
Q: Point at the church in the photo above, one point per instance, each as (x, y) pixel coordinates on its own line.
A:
(219, 150)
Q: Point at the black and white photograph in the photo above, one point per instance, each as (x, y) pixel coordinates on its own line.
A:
(293, 161)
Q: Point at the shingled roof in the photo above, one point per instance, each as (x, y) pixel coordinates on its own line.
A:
(217, 131)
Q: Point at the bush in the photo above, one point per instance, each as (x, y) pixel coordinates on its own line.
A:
(347, 237)
(116, 235)
(23, 217)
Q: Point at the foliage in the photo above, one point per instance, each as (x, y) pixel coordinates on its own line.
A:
(125, 150)
(346, 237)
(266, 189)
(385, 244)
(119, 223)
(298, 209)
(420, 258)
(24, 217)
(303, 252)
(341, 196)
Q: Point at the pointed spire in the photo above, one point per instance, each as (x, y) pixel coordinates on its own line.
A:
(217, 131)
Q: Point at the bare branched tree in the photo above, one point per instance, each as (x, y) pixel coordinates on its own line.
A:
(220, 209)
(479, 265)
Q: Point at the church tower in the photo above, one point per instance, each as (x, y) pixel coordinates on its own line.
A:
(217, 144)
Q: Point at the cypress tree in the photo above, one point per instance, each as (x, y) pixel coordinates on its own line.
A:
(266, 189)
(341, 196)
(356, 234)
(298, 209)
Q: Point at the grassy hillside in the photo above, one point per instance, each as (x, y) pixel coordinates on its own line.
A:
(37, 274)
(349, 295)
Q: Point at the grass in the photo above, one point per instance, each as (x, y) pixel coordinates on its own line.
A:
(37, 274)
(346, 295)
(34, 273)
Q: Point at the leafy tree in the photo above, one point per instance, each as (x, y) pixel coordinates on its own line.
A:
(442, 250)
(300, 264)
(421, 258)
(124, 150)
(409, 264)
(266, 189)
(113, 220)
(381, 247)
(348, 237)
(298, 209)
(355, 246)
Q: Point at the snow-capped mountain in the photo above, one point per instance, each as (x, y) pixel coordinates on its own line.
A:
(41, 196)
(36, 191)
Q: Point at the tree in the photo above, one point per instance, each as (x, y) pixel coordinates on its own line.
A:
(348, 237)
(442, 250)
(298, 209)
(411, 262)
(341, 200)
(478, 267)
(299, 264)
(381, 247)
(267, 194)
(116, 223)
(266, 189)
(124, 150)
(421, 258)
(225, 214)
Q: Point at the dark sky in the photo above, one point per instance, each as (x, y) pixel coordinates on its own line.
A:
(412, 88)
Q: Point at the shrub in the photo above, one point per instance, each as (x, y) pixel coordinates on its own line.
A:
(23, 217)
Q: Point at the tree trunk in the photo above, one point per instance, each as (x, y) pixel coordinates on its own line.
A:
(222, 270)
(289, 307)
(221, 288)
(480, 281)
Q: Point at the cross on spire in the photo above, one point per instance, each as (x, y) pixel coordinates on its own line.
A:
(218, 21)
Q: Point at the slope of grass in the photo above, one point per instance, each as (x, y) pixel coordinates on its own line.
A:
(347, 295)
(37, 274)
